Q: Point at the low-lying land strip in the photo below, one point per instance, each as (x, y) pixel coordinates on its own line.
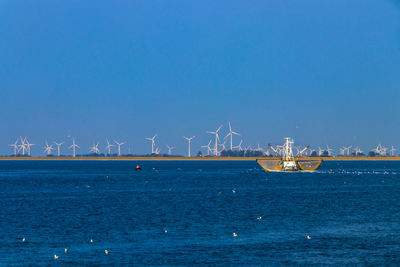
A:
(197, 158)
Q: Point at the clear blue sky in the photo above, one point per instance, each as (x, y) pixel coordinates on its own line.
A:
(319, 71)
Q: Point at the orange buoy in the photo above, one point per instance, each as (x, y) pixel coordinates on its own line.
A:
(138, 168)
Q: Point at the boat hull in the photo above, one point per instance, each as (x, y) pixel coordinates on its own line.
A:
(270, 165)
(274, 165)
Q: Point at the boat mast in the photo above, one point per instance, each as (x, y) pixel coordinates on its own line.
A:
(288, 150)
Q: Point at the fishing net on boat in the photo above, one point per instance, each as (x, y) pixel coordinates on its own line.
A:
(270, 164)
(309, 165)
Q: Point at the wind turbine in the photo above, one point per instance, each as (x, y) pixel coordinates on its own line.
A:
(22, 145)
(28, 146)
(223, 145)
(48, 148)
(300, 152)
(320, 151)
(297, 149)
(170, 149)
(329, 150)
(74, 146)
(376, 150)
(381, 150)
(358, 151)
(108, 147)
(119, 147)
(208, 148)
(189, 141)
(276, 150)
(392, 150)
(157, 151)
(239, 146)
(95, 148)
(347, 149)
(58, 147)
(153, 143)
(258, 148)
(231, 133)
(384, 151)
(216, 140)
(15, 146)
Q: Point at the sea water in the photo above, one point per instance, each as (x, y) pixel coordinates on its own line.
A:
(186, 213)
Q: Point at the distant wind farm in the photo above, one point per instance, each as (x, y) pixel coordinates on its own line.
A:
(230, 145)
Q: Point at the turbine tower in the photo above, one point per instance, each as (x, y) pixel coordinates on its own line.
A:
(153, 143)
(58, 148)
(48, 148)
(119, 147)
(108, 147)
(230, 134)
(170, 149)
(216, 140)
(74, 146)
(189, 141)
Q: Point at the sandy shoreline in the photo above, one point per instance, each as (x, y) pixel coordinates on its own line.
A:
(390, 158)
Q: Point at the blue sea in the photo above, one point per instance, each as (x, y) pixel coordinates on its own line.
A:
(186, 213)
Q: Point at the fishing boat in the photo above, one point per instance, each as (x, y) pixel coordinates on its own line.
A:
(287, 161)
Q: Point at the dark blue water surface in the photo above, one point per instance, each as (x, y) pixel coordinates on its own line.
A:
(185, 213)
